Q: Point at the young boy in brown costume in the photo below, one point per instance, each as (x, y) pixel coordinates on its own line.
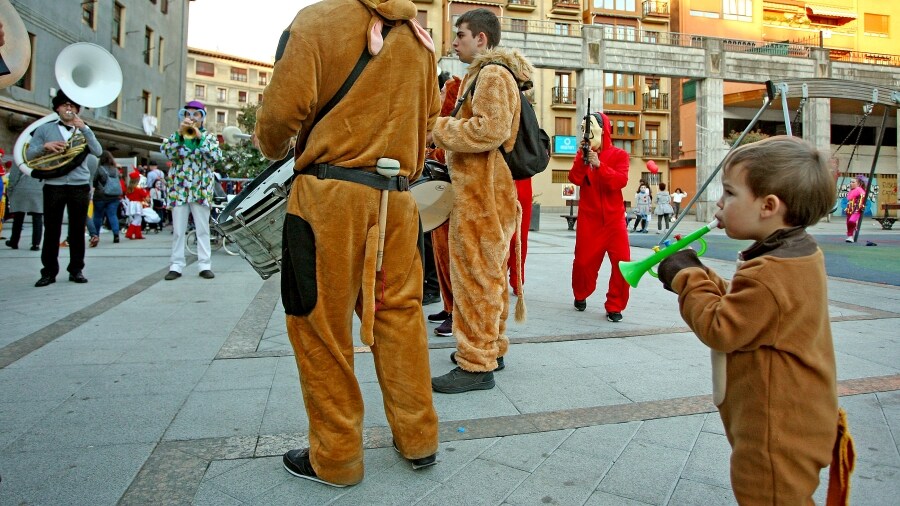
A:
(774, 377)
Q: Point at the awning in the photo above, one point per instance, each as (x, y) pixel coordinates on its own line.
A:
(826, 11)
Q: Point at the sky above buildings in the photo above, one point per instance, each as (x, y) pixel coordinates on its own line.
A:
(241, 28)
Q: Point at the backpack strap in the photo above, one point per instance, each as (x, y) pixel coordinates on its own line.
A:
(471, 90)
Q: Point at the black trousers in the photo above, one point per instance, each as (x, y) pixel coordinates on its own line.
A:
(430, 279)
(74, 199)
(37, 228)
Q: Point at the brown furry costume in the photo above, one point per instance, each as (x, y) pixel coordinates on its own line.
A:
(331, 230)
(485, 210)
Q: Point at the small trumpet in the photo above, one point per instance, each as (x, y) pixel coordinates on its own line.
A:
(189, 132)
(633, 271)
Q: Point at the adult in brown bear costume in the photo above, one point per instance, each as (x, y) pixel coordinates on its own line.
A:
(332, 225)
(485, 210)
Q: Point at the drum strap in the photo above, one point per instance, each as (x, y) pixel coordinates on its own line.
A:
(379, 182)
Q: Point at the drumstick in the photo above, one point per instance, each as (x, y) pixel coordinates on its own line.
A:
(387, 167)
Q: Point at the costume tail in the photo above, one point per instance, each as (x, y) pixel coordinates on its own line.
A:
(521, 311)
(843, 460)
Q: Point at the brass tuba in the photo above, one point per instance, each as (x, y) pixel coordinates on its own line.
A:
(91, 77)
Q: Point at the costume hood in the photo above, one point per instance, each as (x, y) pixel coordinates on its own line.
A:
(509, 57)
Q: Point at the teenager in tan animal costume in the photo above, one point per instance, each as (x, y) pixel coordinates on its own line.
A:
(485, 210)
(332, 226)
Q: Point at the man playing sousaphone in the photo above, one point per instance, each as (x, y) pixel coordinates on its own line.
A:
(66, 187)
(193, 153)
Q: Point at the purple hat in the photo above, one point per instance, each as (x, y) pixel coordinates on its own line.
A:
(862, 180)
(193, 104)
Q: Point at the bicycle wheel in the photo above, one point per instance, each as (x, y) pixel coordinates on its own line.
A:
(231, 247)
(190, 242)
(215, 239)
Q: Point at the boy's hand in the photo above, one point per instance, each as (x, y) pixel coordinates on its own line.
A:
(671, 266)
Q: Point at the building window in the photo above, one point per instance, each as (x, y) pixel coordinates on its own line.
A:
(26, 81)
(651, 178)
(263, 79)
(561, 28)
(205, 68)
(739, 10)
(619, 89)
(118, 26)
(112, 110)
(259, 98)
(877, 25)
(148, 45)
(87, 13)
(164, 6)
(518, 25)
(624, 131)
(238, 74)
(159, 53)
(145, 98)
(221, 117)
(242, 97)
(221, 94)
(200, 91)
(562, 125)
(563, 91)
(615, 5)
(620, 32)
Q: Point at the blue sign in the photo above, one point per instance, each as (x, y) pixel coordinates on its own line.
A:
(565, 144)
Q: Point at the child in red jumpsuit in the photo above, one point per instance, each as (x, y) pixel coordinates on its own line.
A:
(601, 218)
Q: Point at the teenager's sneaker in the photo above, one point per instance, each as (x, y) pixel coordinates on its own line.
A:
(458, 381)
(614, 316)
(419, 463)
(580, 305)
(445, 329)
(500, 364)
(297, 463)
(438, 317)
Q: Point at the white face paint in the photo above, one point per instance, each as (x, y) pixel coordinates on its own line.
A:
(596, 133)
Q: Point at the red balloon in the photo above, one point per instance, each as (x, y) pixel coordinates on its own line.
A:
(651, 165)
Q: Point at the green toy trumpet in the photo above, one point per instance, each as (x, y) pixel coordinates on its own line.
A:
(633, 271)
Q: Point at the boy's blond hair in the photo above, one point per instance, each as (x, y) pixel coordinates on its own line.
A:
(793, 170)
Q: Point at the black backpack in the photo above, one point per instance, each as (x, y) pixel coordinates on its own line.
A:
(530, 154)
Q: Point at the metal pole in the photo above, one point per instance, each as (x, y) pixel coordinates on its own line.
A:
(872, 174)
(767, 101)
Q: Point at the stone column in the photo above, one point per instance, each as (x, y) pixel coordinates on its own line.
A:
(590, 85)
(711, 147)
(817, 112)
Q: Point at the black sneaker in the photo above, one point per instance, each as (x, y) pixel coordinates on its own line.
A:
(445, 329)
(297, 463)
(419, 463)
(438, 317)
(500, 364)
(207, 274)
(580, 305)
(430, 298)
(172, 275)
(458, 381)
(614, 316)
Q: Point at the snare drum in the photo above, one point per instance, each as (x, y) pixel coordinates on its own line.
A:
(255, 218)
(433, 194)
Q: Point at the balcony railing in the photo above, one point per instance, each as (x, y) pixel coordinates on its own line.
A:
(537, 26)
(655, 148)
(563, 96)
(659, 102)
(521, 5)
(567, 6)
(655, 8)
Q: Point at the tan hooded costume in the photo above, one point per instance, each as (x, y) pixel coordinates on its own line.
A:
(485, 210)
(331, 229)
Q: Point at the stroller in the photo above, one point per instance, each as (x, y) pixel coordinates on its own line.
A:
(155, 215)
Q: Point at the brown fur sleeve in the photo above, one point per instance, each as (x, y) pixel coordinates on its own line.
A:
(493, 105)
(290, 96)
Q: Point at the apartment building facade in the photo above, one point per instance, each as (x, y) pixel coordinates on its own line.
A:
(225, 84)
(147, 39)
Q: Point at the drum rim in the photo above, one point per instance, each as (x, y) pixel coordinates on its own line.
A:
(255, 183)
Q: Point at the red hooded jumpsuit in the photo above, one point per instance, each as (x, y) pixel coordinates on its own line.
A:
(601, 222)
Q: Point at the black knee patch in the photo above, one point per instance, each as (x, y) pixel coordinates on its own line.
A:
(298, 266)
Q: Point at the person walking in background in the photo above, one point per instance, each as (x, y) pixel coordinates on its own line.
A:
(677, 197)
(26, 196)
(107, 193)
(601, 227)
(663, 210)
(68, 192)
(154, 174)
(136, 197)
(194, 153)
(642, 200)
(856, 205)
